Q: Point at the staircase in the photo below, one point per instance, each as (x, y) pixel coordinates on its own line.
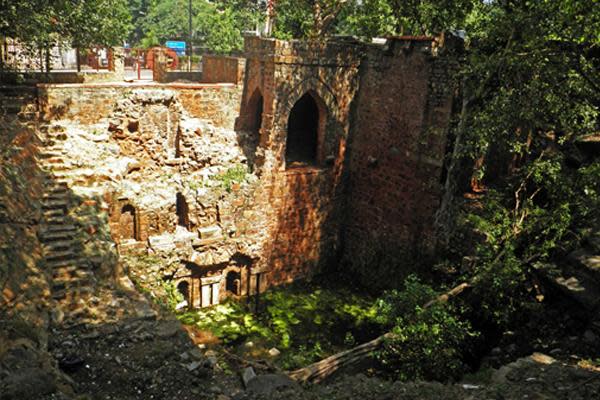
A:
(20, 101)
(73, 283)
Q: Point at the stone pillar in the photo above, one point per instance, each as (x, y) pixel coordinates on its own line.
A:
(205, 296)
(116, 62)
(159, 66)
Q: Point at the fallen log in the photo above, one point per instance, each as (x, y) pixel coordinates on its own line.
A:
(320, 370)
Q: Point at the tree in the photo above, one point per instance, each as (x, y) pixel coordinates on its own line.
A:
(102, 22)
(530, 95)
(217, 25)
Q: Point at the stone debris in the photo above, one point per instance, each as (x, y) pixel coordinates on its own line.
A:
(274, 352)
(247, 375)
(262, 385)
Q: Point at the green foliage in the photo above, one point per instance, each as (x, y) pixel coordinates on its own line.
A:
(306, 324)
(172, 295)
(530, 85)
(217, 26)
(368, 18)
(293, 19)
(230, 321)
(82, 23)
(426, 343)
(236, 174)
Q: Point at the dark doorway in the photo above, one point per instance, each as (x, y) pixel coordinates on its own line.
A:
(182, 209)
(256, 109)
(233, 282)
(128, 222)
(178, 143)
(303, 132)
(183, 288)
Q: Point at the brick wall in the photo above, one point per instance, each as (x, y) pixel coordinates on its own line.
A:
(221, 69)
(300, 205)
(390, 106)
(397, 147)
(84, 103)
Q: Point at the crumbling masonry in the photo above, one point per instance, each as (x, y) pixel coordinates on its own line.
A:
(306, 156)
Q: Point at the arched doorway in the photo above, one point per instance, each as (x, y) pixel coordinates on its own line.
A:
(183, 288)
(128, 222)
(233, 282)
(303, 132)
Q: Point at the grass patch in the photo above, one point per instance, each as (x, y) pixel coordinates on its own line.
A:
(306, 322)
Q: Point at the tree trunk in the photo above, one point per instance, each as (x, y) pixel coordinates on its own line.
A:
(47, 59)
(77, 57)
(446, 214)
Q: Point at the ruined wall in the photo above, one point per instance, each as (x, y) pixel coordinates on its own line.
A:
(91, 103)
(221, 69)
(24, 284)
(397, 149)
(338, 146)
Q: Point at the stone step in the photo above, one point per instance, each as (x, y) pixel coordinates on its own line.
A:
(57, 190)
(55, 160)
(55, 220)
(45, 153)
(55, 168)
(54, 204)
(61, 292)
(75, 276)
(49, 147)
(56, 129)
(59, 228)
(58, 245)
(53, 236)
(60, 255)
(75, 173)
(56, 135)
(56, 212)
(51, 184)
(55, 195)
(72, 262)
(77, 316)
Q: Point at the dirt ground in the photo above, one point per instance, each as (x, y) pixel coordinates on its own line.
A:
(146, 359)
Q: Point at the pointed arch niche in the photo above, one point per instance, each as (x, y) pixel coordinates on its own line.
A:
(305, 131)
(252, 123)
(255, 112)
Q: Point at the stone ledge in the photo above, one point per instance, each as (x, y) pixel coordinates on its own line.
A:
(134, 85)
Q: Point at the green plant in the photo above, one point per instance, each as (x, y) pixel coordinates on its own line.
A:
(236, 174)
(305, 322)
(427, 342)
(172, 296)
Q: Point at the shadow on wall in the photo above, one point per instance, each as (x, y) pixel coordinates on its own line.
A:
(55, 245)
(249, 126)
(23, 284)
